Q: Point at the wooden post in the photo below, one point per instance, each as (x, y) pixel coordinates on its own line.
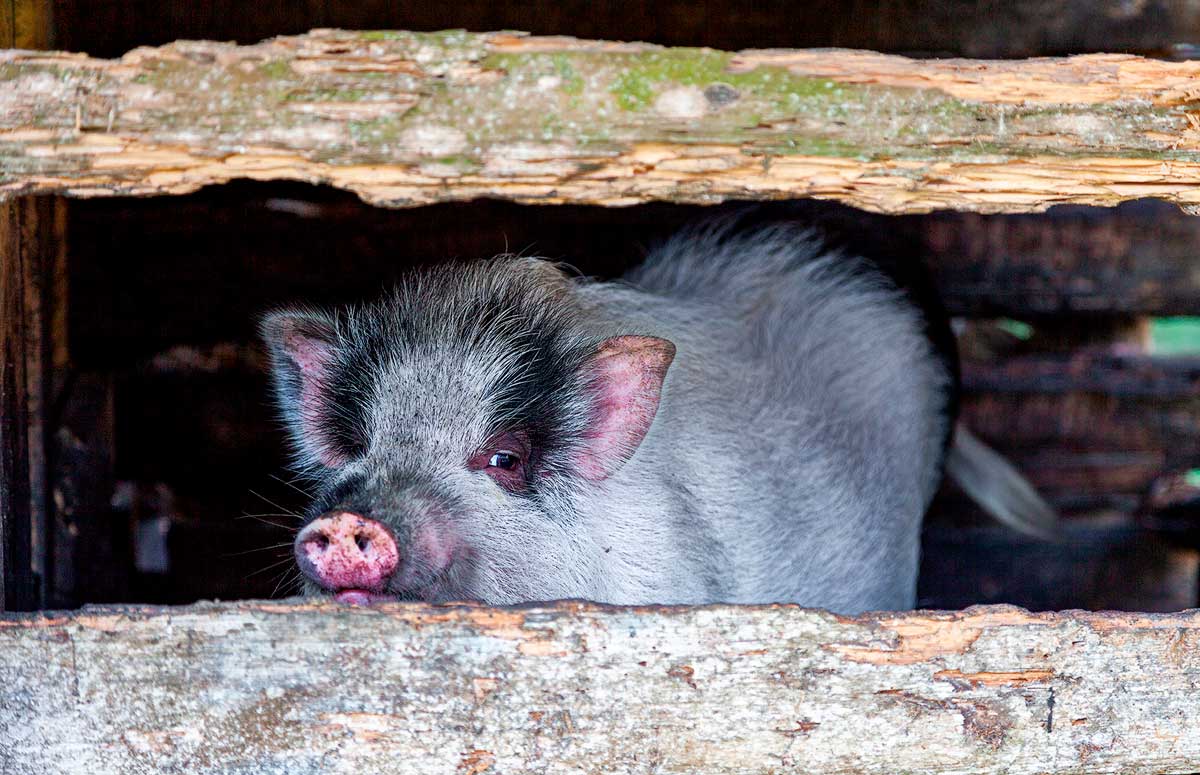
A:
(15, 516)
(33, 344)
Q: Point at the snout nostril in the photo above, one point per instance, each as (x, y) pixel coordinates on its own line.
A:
(322, 541)
(362, 541)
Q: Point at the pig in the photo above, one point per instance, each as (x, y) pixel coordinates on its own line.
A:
(747, 417)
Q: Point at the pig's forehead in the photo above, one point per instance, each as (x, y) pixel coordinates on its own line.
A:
(444, 397)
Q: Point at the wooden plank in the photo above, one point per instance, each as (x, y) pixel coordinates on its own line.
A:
(31, 261)
(407, 119)
(35, 353)
(1102, 564)
(33, 266)
(974, 28)
(257, 687)
(36, 312)
(15, 518)
(1088, 450)
(258, 246)
(1138, 258)
(1087, 371)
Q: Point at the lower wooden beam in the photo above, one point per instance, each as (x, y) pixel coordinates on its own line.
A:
(257, 687)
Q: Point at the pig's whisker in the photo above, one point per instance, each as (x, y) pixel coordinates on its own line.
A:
(293, 485)
(285, 509)
(259, 549)
(287, 581)
(259, 518)
(270, 567)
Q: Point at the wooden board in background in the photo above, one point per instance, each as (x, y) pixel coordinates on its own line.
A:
(972, 28)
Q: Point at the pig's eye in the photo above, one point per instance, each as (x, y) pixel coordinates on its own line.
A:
(504, 459)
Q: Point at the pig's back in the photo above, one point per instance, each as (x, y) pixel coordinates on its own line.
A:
(802, 425)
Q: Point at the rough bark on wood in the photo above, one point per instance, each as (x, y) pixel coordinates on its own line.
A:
(259, 687)
(407, 118)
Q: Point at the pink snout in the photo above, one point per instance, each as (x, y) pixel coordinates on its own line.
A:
(348, 554)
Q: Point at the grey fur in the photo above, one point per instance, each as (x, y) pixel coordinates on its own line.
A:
(797, 443)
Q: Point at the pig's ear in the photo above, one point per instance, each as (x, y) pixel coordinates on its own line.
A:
(625, 379)
(303, 349)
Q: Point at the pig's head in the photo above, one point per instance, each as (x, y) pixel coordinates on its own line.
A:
(454, 428)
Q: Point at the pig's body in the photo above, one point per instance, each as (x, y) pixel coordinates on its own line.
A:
(798, 438)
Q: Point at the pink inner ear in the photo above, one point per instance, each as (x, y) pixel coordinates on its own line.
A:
(312, 357)
(627, 376)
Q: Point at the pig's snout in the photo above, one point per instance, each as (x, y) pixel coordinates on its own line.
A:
(348, 554)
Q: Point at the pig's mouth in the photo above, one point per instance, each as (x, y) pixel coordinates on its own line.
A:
(421, 584)
(428, 592)
(361, 597)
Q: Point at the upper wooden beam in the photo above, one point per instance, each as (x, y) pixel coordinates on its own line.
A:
(258, 687)
(406, 119)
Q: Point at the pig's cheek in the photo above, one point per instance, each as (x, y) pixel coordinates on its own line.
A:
(437, 545)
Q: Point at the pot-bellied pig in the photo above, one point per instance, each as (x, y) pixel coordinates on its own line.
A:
(745, 418)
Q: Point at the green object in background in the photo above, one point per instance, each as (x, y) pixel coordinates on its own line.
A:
(1020, 330)
(1192, 478)
(1175, 336)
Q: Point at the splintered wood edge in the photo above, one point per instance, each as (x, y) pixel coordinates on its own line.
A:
(405, 119)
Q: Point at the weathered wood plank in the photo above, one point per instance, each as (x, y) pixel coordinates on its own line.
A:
(1084, 371)
(1135, 259)
(1098, 565)
(16, 575)
(1086, 450)
(973, 28)
(32, 340)
(259, 687)
(256, 246)
(406, 119)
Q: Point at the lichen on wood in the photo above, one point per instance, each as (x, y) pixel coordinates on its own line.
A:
(289, 686)
(410, 118)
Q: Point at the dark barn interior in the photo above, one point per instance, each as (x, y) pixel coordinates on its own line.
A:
(1080, 362)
